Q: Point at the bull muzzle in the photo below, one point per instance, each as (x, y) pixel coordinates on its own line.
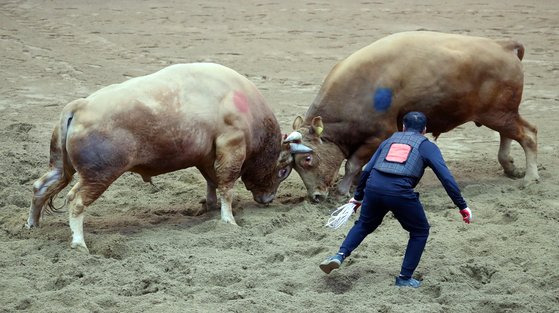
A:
(264, 198)
(318, 196)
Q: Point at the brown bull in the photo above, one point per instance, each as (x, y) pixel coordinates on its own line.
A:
(202, 115)
(453, 79)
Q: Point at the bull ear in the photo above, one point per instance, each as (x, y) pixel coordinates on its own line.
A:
(317, 125)
(297, 123)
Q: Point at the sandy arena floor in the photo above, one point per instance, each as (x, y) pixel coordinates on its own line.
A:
(150, 254)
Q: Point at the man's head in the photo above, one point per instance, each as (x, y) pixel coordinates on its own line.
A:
(415, 121)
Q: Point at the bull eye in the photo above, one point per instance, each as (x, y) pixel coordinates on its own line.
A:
(307, 161)
(283, 173)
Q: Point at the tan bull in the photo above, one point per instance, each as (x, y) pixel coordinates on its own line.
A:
(453, 79)
(199, 115)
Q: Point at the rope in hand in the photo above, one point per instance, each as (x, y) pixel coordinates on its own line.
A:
(340, 216)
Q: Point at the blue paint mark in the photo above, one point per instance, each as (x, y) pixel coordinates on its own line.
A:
(382, 99)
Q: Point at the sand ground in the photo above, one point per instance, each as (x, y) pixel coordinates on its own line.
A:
(150, 254)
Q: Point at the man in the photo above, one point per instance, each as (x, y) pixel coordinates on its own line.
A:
(387, 184)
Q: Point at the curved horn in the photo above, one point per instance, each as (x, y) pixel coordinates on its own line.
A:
(294, 136)
(299, 148)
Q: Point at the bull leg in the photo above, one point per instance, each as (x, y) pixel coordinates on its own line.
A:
(210, 202)
(530, 145)
(44, 189)
(211, 196)
(76, 216)
(230, 155)
(79, 198)
(515, 128)
(352, 169)
(226, 196)
(526, 135)
(507, 162)
(355, 163)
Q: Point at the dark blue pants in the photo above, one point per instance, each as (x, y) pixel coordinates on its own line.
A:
(408, 211)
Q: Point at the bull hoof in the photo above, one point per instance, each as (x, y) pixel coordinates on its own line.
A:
(231, 222)
(515, 173)
(209, 205)
(529, 182)
(31, 223)
(81, 247)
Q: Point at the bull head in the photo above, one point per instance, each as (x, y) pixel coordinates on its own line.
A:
(317, 161)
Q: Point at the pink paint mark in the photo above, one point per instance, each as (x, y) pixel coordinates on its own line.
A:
(240, 101)
(398, 153)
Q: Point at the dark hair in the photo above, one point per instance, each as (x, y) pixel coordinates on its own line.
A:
(415, 121)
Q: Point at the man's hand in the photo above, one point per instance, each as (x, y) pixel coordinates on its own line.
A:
(356, 202)
(466, 215)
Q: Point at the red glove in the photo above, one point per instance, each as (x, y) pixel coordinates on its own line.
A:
(466, 215)
(356, 202)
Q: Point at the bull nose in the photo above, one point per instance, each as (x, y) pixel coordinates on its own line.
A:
(265, 199)
(318, 197)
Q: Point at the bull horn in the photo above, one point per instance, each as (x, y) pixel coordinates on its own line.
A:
(294, 136)
(299, 148)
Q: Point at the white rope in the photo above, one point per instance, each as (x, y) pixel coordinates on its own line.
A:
(340, 216)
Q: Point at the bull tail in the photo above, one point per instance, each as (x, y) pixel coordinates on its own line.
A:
(512, 45)
(59, 161)
(60, 173)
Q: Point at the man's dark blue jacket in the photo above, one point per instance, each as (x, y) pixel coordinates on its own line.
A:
(375, 181)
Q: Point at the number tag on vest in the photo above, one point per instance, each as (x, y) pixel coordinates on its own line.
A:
(398, 153)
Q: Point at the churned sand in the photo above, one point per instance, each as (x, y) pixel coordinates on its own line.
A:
(152, 250)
